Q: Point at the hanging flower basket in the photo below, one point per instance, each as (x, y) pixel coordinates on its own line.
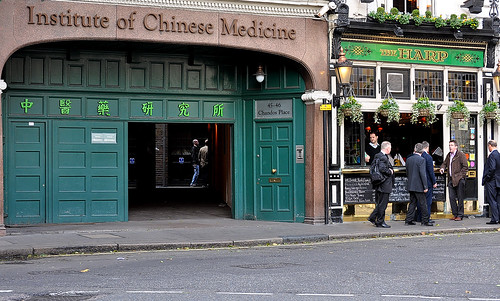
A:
(384, 113)
(389, 108)
(457, 110)
(350, 108)
(489, 111)
(490, 115)
(457, 115)
(424, 113)
(423, 108)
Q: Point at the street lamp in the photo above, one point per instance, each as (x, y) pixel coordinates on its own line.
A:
(496, 77)
(343, 69)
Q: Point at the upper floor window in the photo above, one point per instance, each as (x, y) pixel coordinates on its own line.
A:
(429, 81)
(463, 86)
(363, 81)
(406, 6)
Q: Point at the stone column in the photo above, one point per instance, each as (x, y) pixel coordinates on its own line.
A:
(3, 232)
(315, 180)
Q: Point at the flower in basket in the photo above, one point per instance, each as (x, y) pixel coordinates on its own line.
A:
(423, 108)
(457, 110)
(489, 111)
(388, 108)
(350, 108)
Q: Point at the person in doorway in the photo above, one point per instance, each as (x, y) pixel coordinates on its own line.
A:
(195, 150)
(491, 181)
(431, 181)
(203, 157)
(456, 167)
(417, 186)
(383, 190)
(372, 148)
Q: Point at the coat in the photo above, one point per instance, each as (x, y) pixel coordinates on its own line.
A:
(492, 169)
(459, 167)
(385, 168)
(429, 170)
(416, 173)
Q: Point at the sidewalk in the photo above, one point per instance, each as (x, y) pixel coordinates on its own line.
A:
(53, 239)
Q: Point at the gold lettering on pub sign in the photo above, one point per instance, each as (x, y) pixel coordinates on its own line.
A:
(437, 56)
(162, 23)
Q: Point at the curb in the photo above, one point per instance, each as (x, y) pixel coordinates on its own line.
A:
(27, 253)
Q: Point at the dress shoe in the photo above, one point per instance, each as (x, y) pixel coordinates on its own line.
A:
(383, 225)
(458, 218)
(409, 223)
(428, 224)
(453, 218)
(492, 223)
(431, 221)
(371, 221)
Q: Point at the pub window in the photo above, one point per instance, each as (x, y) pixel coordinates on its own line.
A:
(463, 86)
(363, 81)
(352, 143)
(397, 81)
(406, 6)
(429, 81)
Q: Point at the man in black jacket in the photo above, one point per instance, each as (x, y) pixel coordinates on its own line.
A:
(195, 160)
(382, 190)
(491, 181)
(417, 186)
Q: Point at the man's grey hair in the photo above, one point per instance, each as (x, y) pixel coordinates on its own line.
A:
(195, 141)
(493, 143)
(425, 144)
(385, 145)
(419, 148)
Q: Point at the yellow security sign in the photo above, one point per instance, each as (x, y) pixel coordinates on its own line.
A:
(325, 107)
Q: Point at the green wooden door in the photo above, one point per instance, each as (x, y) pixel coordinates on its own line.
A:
(274, 171)
(89, 178)
(25, 181)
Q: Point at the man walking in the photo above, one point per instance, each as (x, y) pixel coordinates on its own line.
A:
(456, 166)
(383, 189)
(491, 180)
(431, 178)
(195, 161)
(203, 156)
(417, 186)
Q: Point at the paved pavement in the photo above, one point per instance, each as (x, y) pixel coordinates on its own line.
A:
(209, 231)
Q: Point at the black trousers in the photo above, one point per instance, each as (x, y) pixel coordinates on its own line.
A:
(420, 199)
(381, 201)
(493, 197)
(457, 196)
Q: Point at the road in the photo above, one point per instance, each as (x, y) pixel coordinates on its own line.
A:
(437, 267)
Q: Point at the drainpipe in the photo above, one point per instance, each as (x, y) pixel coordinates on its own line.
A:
(3, 231)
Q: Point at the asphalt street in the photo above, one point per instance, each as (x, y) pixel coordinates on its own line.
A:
(437, 267)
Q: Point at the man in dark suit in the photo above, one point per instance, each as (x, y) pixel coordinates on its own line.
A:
(491, 180)
(382, 190)
(417, 186)
(456, 167)
(431, 178)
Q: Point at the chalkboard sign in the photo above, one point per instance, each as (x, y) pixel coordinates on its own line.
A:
(358, 190)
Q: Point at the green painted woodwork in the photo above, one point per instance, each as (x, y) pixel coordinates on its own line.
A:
(413, 54)
(101, 91)
(26, 176)
(88, 178)
(274, 143)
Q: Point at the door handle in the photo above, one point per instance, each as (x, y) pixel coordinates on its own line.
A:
(273, 170)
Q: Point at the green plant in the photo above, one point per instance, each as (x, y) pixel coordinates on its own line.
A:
(423, 104)
(472, 23)
(489, 108)
(418, 20)
(394, 11)
(391, 106)
(458, 106)
(439, 22)
(415, 13)
(404, 19)
(463, 16)
(454, 22)
(428, 14)
(352, 105)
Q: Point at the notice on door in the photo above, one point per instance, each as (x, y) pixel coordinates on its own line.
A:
(104, 138)
(273, 109)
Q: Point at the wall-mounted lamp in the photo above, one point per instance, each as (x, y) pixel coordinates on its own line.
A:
(343, 69)
(398, 31)
(458, 34)
(260, 75)
(496, 77)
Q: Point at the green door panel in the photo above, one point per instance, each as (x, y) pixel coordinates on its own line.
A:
(25, 181)
(274, 170)
(89, 180)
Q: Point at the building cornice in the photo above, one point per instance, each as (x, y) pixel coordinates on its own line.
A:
(304, 9)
